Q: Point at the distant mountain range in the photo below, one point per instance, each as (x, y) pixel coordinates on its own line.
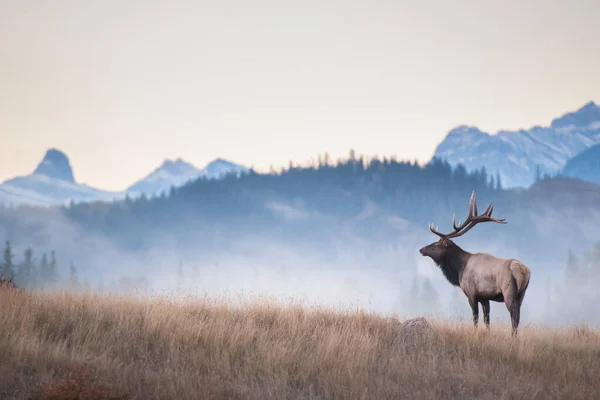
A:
(516, 155)
(53, 183)
(569, 146)
(177, 173)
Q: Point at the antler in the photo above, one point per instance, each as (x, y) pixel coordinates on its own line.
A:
(472, 220)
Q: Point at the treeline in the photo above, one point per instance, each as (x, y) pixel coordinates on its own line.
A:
(336, 190)
(575, 294)
(32, 273)
(370, 200)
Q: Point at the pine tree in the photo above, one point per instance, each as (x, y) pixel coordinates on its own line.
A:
(8, 268)
(26, 270)
(429, 295)
(538, 175)
(73, 280)
(498, 182)
(482, 176)
(572, 270)
(52, 270)
(352, 156)
(44, 269)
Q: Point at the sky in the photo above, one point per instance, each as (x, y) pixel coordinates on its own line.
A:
(121, 86)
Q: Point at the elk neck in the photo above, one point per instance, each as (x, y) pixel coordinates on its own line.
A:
(453, 263)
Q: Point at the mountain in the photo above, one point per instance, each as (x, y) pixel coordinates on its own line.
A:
(170, 173)
(51, 183)
(219, 168)
(585, 165)
(516, 155)
(179, 172)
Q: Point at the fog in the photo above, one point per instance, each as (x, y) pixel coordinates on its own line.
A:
(345, 270)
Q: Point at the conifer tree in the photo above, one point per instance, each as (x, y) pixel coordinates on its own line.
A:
(44, 269)
(26, 269)
(572, 263)
(498, 182)
(52, 270)
(8, 268)
(73, 280)
(429, 295)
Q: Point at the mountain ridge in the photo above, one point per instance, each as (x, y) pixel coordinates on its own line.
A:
(585, 165)
(53, 182)
(515, 155)
(178, 172)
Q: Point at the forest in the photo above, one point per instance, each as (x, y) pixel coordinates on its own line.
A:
(348, 217)
(337, 189)
(305, 203)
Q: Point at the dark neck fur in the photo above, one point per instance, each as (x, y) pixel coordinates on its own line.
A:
(453, 263)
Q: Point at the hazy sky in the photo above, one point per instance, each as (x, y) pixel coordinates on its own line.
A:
(122, 85)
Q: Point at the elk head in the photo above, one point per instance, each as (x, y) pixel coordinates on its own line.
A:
(439, 250)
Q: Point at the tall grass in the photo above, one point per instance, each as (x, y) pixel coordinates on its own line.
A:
(202, 349)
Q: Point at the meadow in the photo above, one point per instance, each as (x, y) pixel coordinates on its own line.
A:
(91, 346)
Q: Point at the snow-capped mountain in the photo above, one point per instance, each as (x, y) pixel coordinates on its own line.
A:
(516, 155)
(51, 183)
(170, 173)
(179, 172)
(218, 168)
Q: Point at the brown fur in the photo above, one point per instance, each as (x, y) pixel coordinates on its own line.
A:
(481, 276)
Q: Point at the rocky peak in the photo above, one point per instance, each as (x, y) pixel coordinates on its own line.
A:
(588, 116)
(55, 164)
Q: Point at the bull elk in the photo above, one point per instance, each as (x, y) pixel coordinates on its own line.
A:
(481, 276)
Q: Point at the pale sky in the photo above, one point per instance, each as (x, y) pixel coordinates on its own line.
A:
(122, 85)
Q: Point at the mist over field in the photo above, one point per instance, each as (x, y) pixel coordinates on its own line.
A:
(303, 235)
(228, 200)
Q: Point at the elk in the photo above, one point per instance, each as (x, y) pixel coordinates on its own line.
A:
(481, 276)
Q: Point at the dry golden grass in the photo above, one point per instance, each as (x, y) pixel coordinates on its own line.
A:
(198, 349)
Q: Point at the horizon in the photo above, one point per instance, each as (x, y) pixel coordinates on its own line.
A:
(265, 84)
(302, 163)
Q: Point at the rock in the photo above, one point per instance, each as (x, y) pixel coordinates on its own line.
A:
(56, 165)
(416, 329)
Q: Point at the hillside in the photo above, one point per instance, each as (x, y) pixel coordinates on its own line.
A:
(585, 165)
(263, 350)
(517, 155)
(353, 209)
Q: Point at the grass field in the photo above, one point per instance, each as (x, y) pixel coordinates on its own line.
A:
(201, 349)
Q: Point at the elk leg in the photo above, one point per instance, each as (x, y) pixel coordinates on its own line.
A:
(485, 306)
(512, 305)
(516, 314)
(516, 317)
(475, 309)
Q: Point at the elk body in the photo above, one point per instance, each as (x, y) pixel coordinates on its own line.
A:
(481, 276)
